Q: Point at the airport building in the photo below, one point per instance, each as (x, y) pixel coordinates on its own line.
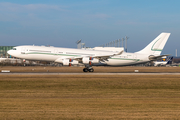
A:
(3, 51)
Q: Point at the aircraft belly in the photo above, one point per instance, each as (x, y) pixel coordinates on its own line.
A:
(120, 62)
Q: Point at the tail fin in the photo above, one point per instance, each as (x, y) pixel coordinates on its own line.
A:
(169, 60)
(157, 45)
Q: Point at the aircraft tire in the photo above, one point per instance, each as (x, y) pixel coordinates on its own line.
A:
(85, 70)
(91, 70)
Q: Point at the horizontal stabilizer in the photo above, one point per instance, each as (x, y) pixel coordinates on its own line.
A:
(152, 58)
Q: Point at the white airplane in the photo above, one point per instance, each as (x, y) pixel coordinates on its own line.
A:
(68, 56)
(163, 62)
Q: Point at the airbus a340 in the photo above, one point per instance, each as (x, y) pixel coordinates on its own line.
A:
(90, 57)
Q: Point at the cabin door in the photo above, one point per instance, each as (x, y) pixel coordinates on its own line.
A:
(135, 57)
(23, 50)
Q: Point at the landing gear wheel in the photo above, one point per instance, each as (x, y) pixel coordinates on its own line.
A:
(85, 70)
(91, 70)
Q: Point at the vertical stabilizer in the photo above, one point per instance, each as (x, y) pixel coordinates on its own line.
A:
(157, 45)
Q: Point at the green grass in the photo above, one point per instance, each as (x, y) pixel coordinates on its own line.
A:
(89, 97)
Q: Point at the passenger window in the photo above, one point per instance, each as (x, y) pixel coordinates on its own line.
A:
(14, 48)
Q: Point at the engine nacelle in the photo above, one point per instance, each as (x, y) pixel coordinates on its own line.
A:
(95, 60)
(66, 62)
(90, 60)
(74, 62)
(85, 60)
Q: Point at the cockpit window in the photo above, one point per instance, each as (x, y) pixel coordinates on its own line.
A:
(14, 48)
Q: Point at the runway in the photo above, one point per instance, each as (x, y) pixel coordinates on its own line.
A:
(89, 73)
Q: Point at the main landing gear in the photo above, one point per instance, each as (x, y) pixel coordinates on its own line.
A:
(86, 69)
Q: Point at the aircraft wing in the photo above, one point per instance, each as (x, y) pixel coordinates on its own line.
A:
(100, 57)
(157, 57)
(80, 58)
(105, 57)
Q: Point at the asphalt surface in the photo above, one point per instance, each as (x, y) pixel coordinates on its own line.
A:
(89, 73)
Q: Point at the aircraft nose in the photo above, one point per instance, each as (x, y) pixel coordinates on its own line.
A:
(9, 52)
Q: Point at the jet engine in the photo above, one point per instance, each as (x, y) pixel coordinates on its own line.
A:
(68, 62)
(85, 60)
(90, 60)
(95, 60)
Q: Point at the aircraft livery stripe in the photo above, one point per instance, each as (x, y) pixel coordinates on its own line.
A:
(153, 46)
(125, 59)
(51, 54)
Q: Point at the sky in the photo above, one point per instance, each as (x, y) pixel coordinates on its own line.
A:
(61, 23)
